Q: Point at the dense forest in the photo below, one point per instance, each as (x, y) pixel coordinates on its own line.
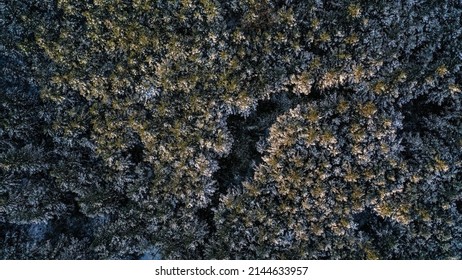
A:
(230, 129)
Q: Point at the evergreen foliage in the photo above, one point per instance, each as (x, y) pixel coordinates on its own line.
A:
(242, 129)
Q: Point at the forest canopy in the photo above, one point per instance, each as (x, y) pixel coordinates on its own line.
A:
(241, 129)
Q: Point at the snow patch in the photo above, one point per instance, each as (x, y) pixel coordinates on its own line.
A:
(151, 253)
